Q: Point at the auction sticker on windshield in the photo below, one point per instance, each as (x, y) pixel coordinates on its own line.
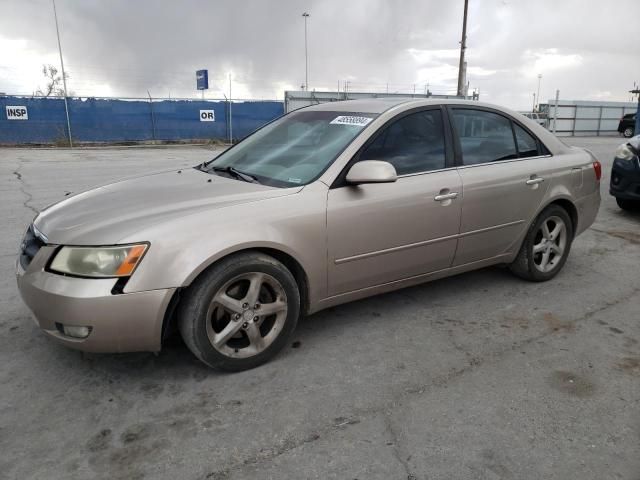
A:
(351, 120)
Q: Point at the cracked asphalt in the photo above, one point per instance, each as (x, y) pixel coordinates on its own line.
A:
(479, 376)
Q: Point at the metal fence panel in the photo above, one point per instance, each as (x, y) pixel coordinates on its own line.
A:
(578, 117)
(588, 112)
(609, 124)
(612, 112)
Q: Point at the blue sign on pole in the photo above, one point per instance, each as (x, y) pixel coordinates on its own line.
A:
(202, 79)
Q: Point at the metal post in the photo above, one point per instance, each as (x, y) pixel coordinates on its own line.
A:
(64, 77)
(463, 47)
(305, 15)
(636, 128)
(538, 95)
(533, 107)
(230, 115)
(153, 119)
(555, 111)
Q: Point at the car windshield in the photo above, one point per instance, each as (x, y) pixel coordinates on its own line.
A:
(293, 150)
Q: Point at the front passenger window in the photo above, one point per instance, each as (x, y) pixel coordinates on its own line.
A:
(484, 136)
(412, 144)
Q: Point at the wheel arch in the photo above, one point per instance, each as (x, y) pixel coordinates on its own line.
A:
(565, 202)
(284, 257)
(570, 208)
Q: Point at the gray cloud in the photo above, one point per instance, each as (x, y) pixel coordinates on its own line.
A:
(129, 47)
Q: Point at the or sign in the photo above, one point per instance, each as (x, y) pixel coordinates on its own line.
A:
(202, 79)
(17, 113)
(207, 116)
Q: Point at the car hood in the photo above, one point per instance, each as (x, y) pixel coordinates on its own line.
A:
(108, 214)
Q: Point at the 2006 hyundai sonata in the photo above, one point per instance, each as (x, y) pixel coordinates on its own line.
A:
(325, 205)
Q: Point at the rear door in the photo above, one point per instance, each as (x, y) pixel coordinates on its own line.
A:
(505, 174)
(379, 233)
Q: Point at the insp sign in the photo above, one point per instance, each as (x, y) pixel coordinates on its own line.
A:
(206, 116)
(16, 113)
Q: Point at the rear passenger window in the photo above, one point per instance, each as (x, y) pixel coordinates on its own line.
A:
(484, 136)
(412, 144)
(527, 145)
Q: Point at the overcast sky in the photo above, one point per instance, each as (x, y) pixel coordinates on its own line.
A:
(588, 49)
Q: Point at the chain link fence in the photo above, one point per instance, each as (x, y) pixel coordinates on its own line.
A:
(40, 120)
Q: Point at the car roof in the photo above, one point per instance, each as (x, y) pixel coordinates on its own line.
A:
(363, 105)
(382, 104)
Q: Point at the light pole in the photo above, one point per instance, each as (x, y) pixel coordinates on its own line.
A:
(64, 76)
(463, 47)
(538, 95)
(305, 15)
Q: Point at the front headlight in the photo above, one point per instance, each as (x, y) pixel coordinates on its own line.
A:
(625, 152)
(98, 262)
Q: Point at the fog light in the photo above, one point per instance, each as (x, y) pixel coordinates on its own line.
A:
(73, 331)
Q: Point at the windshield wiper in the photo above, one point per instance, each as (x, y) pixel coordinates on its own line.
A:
(234, 172)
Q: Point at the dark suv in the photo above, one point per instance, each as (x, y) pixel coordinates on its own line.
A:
(625, 175)
(627, 125)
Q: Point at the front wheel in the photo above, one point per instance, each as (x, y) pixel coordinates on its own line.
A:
(241, 312)
(628, 132)
(546, 247)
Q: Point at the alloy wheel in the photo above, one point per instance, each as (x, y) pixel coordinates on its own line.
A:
(549, 244)
(246, 315)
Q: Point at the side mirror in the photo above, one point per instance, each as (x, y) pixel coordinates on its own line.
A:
(371, 171)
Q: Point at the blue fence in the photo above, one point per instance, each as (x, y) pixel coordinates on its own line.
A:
(114, 120)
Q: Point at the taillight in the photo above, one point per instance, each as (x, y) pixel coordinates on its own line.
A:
(597, 167)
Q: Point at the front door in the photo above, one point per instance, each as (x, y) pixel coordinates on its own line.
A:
(380, 233)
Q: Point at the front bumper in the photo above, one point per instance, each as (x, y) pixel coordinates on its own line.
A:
(625, 179)
(129, 322)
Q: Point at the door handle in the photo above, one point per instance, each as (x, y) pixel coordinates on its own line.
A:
(445, 196)
(535, 181)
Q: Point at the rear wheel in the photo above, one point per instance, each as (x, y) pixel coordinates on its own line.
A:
(240, 313)
(546, 246)
(628, 132)
(630, 205)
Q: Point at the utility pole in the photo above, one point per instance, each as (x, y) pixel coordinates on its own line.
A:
(463, 47)
(538, 95)
(64, 76)
(305, 15)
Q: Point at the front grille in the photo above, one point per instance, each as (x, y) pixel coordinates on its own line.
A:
(31, 244)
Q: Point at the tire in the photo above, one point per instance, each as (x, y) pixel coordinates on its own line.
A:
(222, 329)
(629, 205)
(529, 264)
(628, 132)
